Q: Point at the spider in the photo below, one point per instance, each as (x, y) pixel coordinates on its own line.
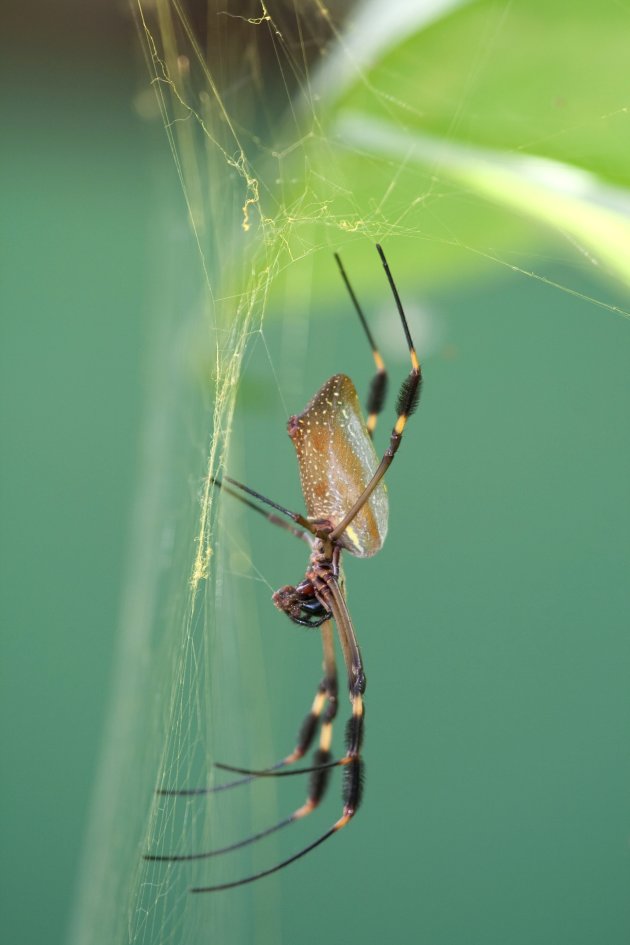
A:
(347, 509)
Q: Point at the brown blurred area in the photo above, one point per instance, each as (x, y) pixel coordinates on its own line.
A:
(73, 32)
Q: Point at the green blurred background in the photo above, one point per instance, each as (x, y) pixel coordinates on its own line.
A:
(494, 623)
(77, 219)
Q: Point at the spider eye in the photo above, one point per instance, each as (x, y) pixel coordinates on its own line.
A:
(313, 607)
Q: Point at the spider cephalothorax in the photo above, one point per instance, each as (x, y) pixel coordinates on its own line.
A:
(301, 604)
(308, 604)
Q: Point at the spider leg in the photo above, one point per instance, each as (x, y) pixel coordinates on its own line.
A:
(325, 698)
(407, 402)
(320, 775)
(304, 740)
(378, 385)
(320, 771)
(318, 783)
(353, 765)
(274, 519)
(353, 770)
(271, 773)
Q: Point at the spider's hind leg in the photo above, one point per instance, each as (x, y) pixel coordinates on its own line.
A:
(378, 386)
(406, 404)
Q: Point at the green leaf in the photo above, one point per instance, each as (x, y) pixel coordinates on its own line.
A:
(478, 134)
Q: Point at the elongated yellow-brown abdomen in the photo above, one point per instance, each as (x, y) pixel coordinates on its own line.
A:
(337, 460)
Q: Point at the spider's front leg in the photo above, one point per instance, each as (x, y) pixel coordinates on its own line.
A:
(302, 605)
(353, 763)
(323, 711)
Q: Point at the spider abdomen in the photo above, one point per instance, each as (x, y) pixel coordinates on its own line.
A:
(336, 458)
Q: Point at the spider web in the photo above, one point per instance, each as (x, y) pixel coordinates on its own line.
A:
(296, 130)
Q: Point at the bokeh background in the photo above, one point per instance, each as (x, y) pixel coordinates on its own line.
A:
(77, 248)
(494, 623)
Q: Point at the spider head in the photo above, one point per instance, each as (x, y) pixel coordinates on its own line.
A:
(301, 605)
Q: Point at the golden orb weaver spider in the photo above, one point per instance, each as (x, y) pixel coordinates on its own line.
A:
(347, 508)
